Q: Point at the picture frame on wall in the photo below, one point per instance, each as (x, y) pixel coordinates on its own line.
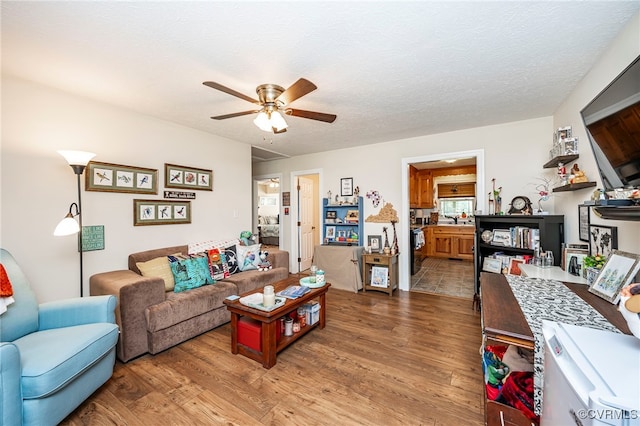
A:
(602, 240)
(619, 271)
(346, 187)
(109, 177)
(584, 220)
(176, 176)
(161, 212)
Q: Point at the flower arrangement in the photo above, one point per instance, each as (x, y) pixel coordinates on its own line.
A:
(596, 261)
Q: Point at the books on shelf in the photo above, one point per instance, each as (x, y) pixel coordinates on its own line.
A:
(517, 237)
(293, 291)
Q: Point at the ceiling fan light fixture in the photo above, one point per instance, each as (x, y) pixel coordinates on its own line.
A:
(277, 121)
(263, 122)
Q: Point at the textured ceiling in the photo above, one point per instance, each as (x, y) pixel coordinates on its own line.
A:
(388, 70)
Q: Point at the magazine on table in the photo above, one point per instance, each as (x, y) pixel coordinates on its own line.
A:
(293, 291)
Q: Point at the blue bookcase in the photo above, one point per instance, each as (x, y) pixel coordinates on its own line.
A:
(342, 224)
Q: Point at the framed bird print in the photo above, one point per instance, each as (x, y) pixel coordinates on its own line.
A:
(107, 177)
(187, 177)
(161, 212)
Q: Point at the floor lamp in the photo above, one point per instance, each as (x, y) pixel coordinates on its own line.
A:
(78, 161)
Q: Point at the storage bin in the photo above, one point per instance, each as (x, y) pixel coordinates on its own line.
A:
(313, 312)
(250, 333)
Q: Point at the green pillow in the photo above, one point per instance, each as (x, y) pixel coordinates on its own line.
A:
(190, 272)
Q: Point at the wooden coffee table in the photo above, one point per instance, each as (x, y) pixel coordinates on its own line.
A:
(269, 321)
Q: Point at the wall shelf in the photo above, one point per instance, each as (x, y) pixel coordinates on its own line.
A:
(564, 159)
(574, 186)
(618, 212)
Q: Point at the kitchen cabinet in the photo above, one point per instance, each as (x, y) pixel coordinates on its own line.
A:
(425, 187)
(450, 241)
(414, 195)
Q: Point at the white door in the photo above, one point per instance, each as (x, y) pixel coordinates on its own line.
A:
(305, 221)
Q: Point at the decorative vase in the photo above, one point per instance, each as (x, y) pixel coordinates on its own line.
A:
(592, 275)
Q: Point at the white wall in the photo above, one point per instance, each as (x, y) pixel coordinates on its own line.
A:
(621, 53)
(514, 155)
(38, 186)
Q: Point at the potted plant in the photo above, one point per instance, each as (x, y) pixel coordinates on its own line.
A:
(592, 266)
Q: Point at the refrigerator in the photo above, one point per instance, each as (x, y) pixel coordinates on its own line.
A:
(591, 377)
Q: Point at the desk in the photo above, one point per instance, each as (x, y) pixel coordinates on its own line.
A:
(341, 265)
(553, 273)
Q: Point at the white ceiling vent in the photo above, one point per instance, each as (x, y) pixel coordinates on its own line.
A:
(261, 154)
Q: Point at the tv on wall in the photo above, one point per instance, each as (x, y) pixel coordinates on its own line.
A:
(612, 120)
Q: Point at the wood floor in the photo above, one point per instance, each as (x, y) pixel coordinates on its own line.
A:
(410, 359)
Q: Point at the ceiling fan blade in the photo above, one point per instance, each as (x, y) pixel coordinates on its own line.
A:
(235, 114)
(320, 116)
(296, 90)
(231, 92)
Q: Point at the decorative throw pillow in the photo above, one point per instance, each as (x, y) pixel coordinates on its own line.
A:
(190, 272)
(158, 267)
(248, 257)
(217, 264)
(231, 259)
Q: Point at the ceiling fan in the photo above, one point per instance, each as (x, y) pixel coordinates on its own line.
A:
(273, 101)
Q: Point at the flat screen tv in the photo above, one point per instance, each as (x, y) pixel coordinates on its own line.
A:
(612, 120)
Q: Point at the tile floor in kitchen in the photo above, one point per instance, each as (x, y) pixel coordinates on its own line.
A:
(444, 276)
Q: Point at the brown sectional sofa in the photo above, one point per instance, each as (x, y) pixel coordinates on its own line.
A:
(152, 320)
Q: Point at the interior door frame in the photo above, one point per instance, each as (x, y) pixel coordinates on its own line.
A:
(254, 204)
(294, 253)
(405, 271)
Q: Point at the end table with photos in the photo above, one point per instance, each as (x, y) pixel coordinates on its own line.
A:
(380, 272)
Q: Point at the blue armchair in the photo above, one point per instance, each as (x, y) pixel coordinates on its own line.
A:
(54, 355)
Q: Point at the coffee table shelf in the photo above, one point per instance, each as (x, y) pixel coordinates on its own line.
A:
(269, 322)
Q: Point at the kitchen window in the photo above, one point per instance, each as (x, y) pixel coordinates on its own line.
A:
(456, 206)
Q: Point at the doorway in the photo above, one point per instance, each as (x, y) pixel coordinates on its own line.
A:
(305, 217)
(267, 210)
(405, 225)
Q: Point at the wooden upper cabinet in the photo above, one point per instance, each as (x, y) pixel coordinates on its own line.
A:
(425, 186)
(414, 195)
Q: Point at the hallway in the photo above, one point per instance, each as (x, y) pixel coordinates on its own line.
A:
(445, 277)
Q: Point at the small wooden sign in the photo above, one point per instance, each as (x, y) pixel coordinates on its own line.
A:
(179, 195)
(286, 198)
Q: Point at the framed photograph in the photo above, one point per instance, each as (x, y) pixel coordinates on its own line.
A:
(379, 276)
(564, 133)
(161, 212)
(501, 237)
(187, 177)
(352, 216)
(603, 240)
(107, 177)
(514, 268)
(620, 269)
(330, 233)
(584, 220)
(375, 242)
(490, 264)
(568, 264)
(330, 216)
(346, 187)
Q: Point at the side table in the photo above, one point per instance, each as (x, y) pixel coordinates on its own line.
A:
(389, 261)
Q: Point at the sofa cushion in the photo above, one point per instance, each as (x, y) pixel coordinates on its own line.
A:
(217, 264)
(158, 267)
(251, 280)
(179, 307)
(232, 259)
(190, 272)
(21, 317)
(52, 358)
(248, 257)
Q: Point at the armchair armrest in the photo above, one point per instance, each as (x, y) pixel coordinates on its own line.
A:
(10, 388)
(279, 258)
(77, 311)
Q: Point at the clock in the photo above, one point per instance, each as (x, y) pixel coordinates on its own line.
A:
(520, 205)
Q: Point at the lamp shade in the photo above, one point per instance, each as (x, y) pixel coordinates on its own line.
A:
(77, 158)
(263, 122)
(277, 121)
(67, 226)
